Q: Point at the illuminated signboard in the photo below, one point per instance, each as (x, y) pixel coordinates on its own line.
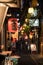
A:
(33, 47)
(33, 22)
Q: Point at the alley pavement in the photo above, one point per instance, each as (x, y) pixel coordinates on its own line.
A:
(32, 59)
(38, 59)
(27, 59)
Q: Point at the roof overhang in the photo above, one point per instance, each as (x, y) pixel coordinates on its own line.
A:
(11, 3)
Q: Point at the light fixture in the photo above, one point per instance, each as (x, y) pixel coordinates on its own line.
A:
(22, 32)
(26, 20)
(30, 36)
(9, 15)
(37, 4)
(31, 10)
(24, 25)
(26, 37)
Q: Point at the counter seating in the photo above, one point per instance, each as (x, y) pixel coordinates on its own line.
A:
(5, 52)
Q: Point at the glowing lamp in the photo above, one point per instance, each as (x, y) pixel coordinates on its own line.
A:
(30, 36)
(24, 25)
(30, 10)
(26, 20)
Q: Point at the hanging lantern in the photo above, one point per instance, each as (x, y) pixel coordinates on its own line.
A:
(26, 20)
